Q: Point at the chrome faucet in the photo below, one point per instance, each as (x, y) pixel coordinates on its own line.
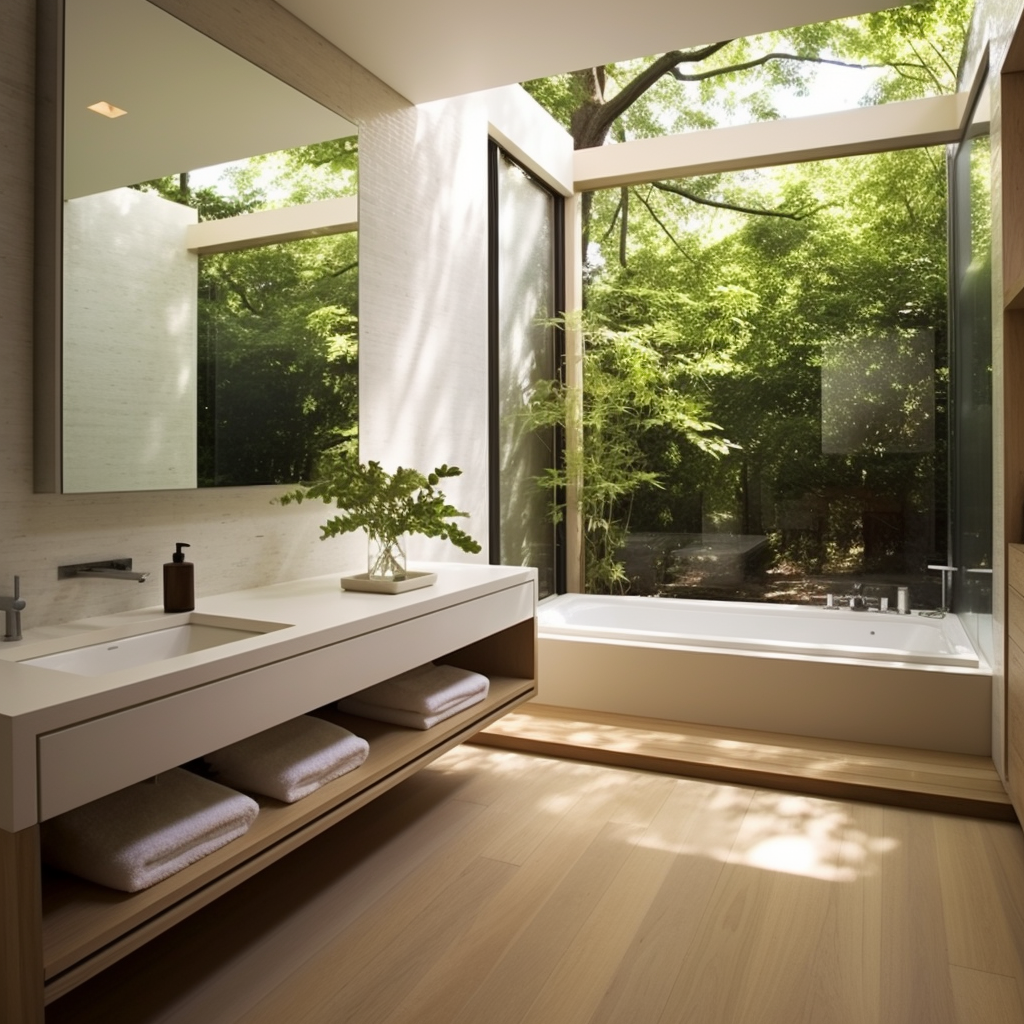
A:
(903, 600)
(112, 569)
(12, 607)
(947, 583)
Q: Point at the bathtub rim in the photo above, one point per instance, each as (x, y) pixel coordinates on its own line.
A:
(721, 645)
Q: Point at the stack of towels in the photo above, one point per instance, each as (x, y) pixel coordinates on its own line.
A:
(419, 698)
(141, 835)
(291, 760)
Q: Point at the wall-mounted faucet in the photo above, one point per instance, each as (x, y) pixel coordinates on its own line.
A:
(12, 607)
(112, 569)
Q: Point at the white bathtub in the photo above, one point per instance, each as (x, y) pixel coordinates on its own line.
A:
(879, 678)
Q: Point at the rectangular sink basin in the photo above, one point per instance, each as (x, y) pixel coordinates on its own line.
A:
(145, 648)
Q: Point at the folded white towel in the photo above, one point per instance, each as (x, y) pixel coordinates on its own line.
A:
(412, 719)
(291, 760)
(427, 690)
(138, 836)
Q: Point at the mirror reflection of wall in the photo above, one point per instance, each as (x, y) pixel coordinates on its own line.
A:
(209, 296)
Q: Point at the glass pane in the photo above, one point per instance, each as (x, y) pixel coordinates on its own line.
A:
(777, 340)
(526, 355)
(972, 365)
(278, 359)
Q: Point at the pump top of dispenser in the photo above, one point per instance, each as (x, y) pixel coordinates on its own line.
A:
(179, 555)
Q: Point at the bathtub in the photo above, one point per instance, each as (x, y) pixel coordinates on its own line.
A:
(907, 680)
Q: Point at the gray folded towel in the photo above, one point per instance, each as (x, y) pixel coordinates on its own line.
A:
(291, 760)
(411, 719)
(427, 690)
(140, 835)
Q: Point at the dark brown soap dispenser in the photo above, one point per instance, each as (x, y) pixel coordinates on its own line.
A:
(179, 582)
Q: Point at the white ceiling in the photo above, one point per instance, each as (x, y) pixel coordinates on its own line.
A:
(429, 51)
(190, 102)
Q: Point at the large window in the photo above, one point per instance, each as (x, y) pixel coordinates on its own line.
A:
(782, 338)
(526, 297)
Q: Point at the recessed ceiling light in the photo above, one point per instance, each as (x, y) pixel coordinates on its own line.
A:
(107, 109)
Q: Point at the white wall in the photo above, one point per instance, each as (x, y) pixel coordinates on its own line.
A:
(423, 285)
(130, 356)
(423, 323)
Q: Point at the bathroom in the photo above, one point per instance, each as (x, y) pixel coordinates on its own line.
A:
(423, 310)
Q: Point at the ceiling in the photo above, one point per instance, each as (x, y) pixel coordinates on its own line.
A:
(429, 51)
(190, 102)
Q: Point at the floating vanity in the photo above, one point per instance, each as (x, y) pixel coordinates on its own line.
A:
(130, 696)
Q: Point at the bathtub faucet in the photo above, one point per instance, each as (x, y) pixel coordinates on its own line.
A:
(947, 584)
(854, 602)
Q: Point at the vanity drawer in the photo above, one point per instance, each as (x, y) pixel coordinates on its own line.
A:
(89, 760)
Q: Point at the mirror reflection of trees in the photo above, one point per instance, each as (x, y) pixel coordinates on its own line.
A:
(277, 324)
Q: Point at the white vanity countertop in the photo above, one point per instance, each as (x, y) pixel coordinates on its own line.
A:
(315, 613)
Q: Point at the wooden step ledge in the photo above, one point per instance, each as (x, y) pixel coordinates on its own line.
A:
(901, 776)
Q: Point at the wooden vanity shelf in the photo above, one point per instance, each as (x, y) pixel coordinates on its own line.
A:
(87, 927)
(77, 929)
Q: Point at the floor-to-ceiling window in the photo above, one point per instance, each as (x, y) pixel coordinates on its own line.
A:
(971, 364)
(526, 297)
(780, 340)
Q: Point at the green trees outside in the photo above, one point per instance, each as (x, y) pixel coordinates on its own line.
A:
(767, 350)
(278, 352)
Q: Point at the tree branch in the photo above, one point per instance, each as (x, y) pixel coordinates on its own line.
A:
(668, 234)
(694, 198)
(928, 71)
(591, 121)
(701, 76)
(345, 269)
(240, 292)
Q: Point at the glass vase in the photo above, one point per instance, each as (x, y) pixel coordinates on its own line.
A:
(386, 557)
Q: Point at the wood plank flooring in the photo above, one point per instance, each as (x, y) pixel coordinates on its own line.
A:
(498, 887)
(924, 779)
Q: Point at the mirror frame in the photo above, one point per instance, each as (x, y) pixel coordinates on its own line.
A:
(48, 288)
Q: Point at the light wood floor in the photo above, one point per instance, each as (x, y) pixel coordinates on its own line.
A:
(498, 887)
(924, 779)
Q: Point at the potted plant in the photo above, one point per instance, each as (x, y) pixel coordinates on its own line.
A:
(387, 506)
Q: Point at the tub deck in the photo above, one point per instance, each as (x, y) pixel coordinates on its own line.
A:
(965, 784)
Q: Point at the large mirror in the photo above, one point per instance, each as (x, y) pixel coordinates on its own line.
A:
(197, 291)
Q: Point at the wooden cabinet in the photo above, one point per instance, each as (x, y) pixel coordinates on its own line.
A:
(57, 930)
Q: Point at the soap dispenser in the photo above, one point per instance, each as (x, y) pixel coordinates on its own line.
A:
(179, 582)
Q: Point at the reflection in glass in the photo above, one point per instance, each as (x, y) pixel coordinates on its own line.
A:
(972, 377)
(526, 352)
(137, 301)
(278, 360)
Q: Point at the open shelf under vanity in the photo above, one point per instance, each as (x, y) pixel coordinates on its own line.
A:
(59, 930)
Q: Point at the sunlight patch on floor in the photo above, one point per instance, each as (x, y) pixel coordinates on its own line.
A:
(788, 833)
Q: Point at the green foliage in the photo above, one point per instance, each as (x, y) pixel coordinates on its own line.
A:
(918, 46)
(748, 305)
(278, 371)
(638, 393)
(277, 324)
(386, 505)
